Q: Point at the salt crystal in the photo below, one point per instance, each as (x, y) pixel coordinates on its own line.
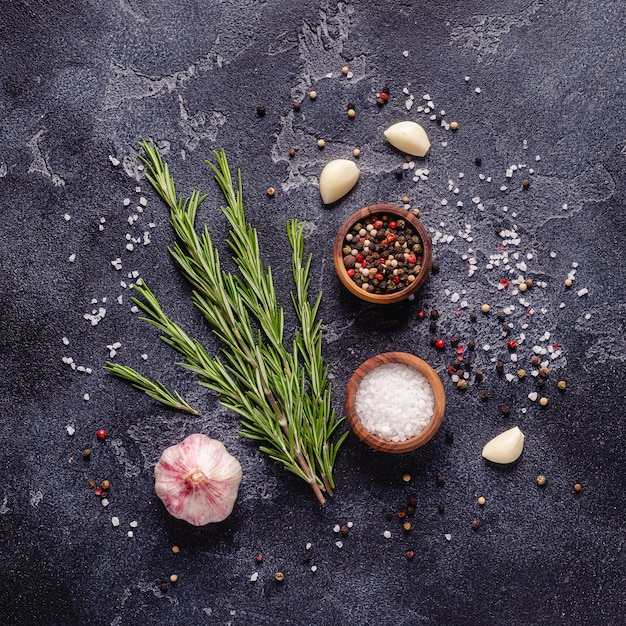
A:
(115, 521)
(86, 397)
(339, 544)
(336, 528)
(448, 537)
(254, 577)
(133, 524)
(130, 534)
(104, 502)
(70, 430)
(114, 162)
(309, 546)
(387, 534)
(66, 341)
(532, 396)
(314, 568)
(408, 414)
(582, 292)
(405, 54)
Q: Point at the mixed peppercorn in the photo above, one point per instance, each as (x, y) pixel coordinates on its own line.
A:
(382, 254)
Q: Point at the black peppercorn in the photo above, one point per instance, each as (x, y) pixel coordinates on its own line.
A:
(449, 436)
(163, 587)
(399, 172)
(478, 160)
(484, 395)
(499, 366)
(506, 411)
(526, 183)
(439, 118)
(475, 524)
(344, 530)
(535, 360)
(306, 557)
(540, 383)
(292, 152)
(441, 508)
(350, 106)
(385, 89)
(440, 481)
(479, 374)
(454, 340)
(501, 316)
(296, 106)
(412, 501)
(434, 314)
(433, 327)
(434, 268)
(260, 110)
(471, 344)
(473, 316)
(389, 515)
(380, 102)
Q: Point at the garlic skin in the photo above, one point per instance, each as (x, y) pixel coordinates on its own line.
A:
(198, 480)
(409, 137)
(506, 447)
(337, 178)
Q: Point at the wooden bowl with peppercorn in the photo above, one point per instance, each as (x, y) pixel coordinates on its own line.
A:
(382, 254)
(395, 402)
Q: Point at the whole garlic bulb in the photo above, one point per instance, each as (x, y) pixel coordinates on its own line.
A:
(198, 480)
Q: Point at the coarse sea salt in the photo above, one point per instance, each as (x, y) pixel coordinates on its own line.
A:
(406, 414)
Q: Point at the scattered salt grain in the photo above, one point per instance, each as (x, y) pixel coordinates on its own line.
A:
(67, 217)
(133, 524)
(70, 430)
(86, 397)
(114, 162)
(412, 407)
(387, 534)
(582, 292)
(72, 258)
(115, 521)
(66, 341)
(336, 528)
(104, 502)
(339, 544)
(314, 568)
(448, 537)
(254, 577)
(130, 534)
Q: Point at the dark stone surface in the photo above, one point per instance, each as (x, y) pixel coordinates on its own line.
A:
(82, 81)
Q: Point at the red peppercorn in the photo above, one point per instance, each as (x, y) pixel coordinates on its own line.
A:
(97, 492)
(411, 258)
(421, 314)
(378, 276)
(451, 370)
(393, 224)
(351, 272)
(383, 96)
(363, 263)
(511, 344)
(259, 558)
(359, 257)
(440, 344)
(504, 282)
(396, 279)
(378, 224)
(101, 434)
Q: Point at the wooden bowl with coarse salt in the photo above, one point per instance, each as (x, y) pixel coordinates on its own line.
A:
(389, 265)
(395, 402)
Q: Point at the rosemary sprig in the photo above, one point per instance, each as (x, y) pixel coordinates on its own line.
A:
(283, 397)
(155, 389)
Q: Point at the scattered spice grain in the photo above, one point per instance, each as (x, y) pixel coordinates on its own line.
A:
(279, 576)
(312, 95)
(541, 480)
(475, 524)
(271, 192)
(320, 143)
(175, 549)
(173, 578)
(260, 110)
(481, 501)
(578, 487)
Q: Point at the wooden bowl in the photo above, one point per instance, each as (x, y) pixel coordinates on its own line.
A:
(373, 440)
(400, 213)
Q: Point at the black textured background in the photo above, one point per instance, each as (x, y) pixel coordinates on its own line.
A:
(81, 81)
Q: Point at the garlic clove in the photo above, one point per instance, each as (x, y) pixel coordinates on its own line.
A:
(409, 137)
(337, 178)
(506, 447)
(198, 480)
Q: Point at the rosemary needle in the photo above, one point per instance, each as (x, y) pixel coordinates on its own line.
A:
(282, 396)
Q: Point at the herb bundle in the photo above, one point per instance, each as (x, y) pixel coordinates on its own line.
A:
(282, 396)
